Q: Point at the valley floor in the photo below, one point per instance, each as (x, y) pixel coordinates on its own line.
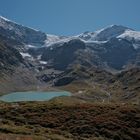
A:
(69, 119)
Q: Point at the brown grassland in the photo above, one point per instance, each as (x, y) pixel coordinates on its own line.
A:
(69, 119)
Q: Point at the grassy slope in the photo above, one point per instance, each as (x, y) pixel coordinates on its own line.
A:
(96, 84)
(62, 119)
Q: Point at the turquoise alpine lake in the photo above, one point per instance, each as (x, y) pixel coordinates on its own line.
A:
(32, 96)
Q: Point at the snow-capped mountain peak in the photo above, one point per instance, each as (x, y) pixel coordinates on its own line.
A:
(4, 23)
(33, 37)
(130, 35)
(112, 30)
(100, 36)
(3, 18)
(21, 33)
(9, 24)
(104, 34)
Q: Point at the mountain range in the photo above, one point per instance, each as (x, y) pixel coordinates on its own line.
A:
(105, 63)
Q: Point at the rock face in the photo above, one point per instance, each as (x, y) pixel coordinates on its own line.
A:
(117, 54)
(61, 56)
(9, 56)
(21, 33)
(130, 80)
(15, 72)
(63, 81)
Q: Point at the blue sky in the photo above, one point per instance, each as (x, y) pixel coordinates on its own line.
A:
(71, 17)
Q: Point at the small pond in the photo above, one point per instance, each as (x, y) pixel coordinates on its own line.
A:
(32, 96)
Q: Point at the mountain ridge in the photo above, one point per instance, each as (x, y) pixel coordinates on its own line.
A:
(99, 43)
(55, 38)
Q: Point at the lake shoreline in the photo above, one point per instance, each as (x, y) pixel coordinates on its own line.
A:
(33, 96)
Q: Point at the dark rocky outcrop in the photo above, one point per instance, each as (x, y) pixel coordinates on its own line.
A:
(61, 56)
(63, 81)
(9, 56)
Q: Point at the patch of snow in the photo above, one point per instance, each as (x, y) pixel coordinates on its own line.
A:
(1, 17)
(95, 42)
(130, 35)
(30, 46)
(53, 39)
(51, 48)
(80, 91)
(136, 46)
(25, 54)
(32, 29)
(86, 36)
(38, 57)
(1, 64)
(43, 62)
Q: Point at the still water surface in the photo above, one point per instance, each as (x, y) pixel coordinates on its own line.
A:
(32, 96)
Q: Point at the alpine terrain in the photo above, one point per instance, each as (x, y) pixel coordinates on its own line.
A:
(100, 68)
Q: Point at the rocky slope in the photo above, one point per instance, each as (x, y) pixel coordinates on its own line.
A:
(9, 56)
(21, 33)
(15, 73)
(114, 47)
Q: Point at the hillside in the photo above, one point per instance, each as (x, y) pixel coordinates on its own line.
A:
(15, 74)
(60, 120)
